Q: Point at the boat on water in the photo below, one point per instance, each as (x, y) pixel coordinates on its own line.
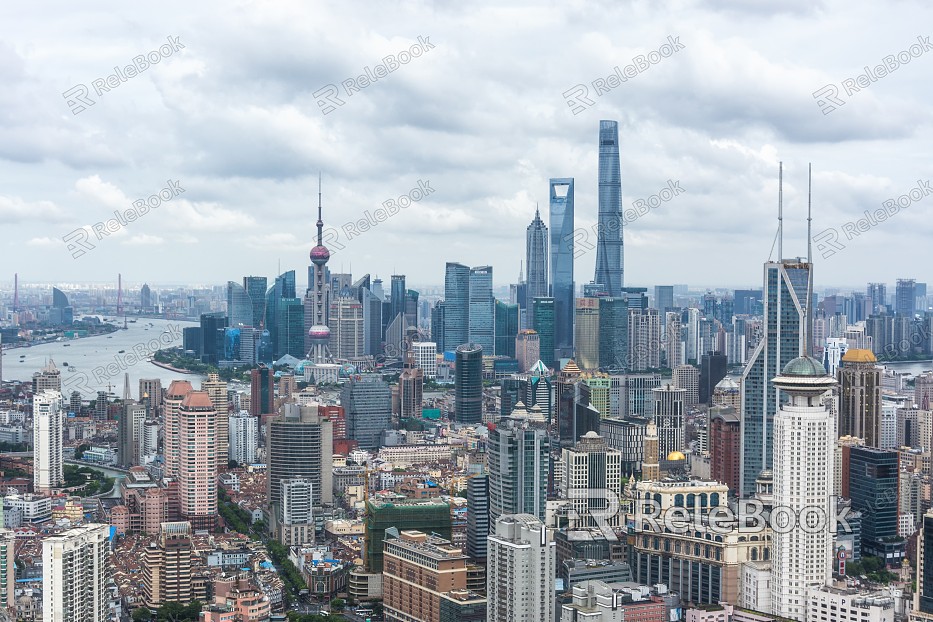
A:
(66, 345)
(121, 351)
(65, 364)
(72, 368)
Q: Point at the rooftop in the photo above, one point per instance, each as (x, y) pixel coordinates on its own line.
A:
(804, 366)
(858, 355)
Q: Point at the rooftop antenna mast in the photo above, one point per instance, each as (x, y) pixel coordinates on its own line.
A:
(808, 344)
(809, 213)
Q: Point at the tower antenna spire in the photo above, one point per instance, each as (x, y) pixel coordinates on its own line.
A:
(320, 221)
(808, 324)
(780, 211)
(809, 211)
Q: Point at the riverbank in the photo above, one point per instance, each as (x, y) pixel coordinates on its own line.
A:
(170, 368)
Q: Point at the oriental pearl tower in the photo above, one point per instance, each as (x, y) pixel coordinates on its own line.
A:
(319, 333)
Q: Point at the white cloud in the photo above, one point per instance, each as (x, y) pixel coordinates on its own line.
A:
(15, 210)
(481, 115)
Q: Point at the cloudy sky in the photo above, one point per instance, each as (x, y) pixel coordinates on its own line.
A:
(238, 114)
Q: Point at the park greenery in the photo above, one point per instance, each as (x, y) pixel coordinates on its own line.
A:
(169, 612)
(176, 358)
(14, 447)
(94, 481)
(871, 567)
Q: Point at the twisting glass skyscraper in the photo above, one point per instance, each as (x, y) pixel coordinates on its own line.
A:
(562, 288)
(609, 249)
(536, 259)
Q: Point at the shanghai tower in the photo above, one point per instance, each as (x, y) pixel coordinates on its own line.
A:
(609, 250)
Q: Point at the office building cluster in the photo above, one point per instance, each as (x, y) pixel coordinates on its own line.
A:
(546, 451)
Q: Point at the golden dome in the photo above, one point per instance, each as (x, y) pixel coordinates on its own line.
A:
(676, 455)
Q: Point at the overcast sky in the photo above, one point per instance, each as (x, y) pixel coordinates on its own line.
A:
(480, 116)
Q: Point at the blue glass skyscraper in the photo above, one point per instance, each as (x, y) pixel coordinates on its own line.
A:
(786, 297)
(397, 300)
(506, 328)
(239, 306)
(609, 249)
(482, 313)
(255, 287)
(562, 287)
(456, 305)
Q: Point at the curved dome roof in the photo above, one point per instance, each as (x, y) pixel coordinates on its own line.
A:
(804, 366)
(727, 384)
(676, 455)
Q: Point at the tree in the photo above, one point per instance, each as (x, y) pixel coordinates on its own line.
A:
(79, 452)
(338, 604)
(176, 612)
(141, 614)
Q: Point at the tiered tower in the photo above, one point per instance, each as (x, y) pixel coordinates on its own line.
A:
(319, 332)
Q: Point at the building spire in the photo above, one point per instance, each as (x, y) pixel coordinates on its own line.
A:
(809, 212)
(808, 324)
(127, 395)
(320, 221)
(780, 211)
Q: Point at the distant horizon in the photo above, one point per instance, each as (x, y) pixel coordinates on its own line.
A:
(135, 286)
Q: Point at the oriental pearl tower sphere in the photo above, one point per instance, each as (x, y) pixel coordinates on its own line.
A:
(319, 333)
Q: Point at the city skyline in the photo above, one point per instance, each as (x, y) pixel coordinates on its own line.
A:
(247, 168)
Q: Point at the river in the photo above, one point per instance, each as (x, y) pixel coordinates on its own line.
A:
(915, 368)
(118, 476)
(98, 361)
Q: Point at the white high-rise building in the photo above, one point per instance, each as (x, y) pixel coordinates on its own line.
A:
(47, 424)
(669, 417)
(296, 524)
(426, 357)
(803, 516)
(588, 465)
(673, 344)
(347, 335)
(149, 439)
(244, 437)
(7, 567)
(75, 573)
(692, 344)
(687, 377)
(833, 351)
(521, 567)
(644, 339)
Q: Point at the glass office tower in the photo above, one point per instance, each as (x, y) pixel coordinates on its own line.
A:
(562, 286)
